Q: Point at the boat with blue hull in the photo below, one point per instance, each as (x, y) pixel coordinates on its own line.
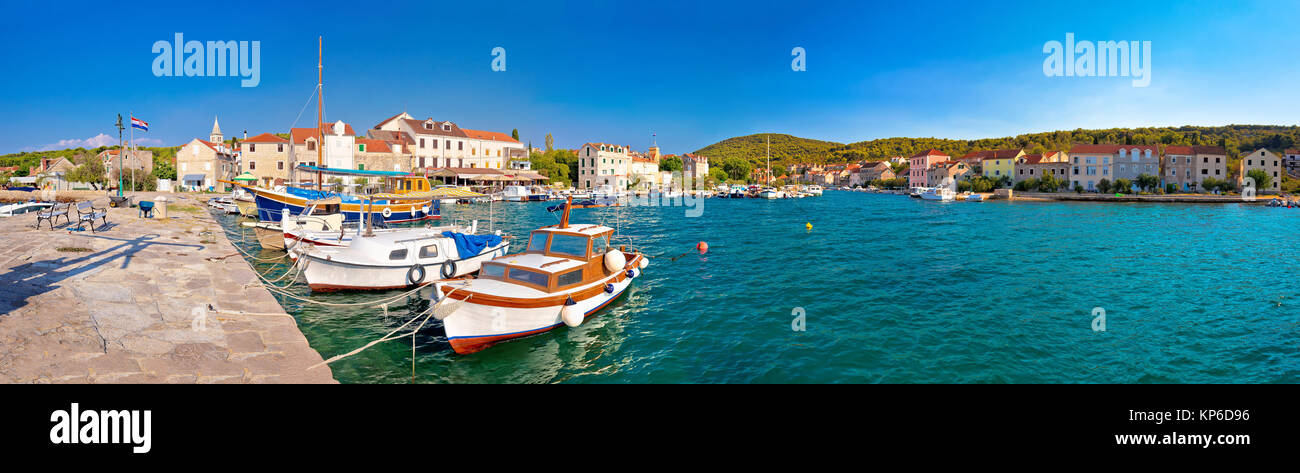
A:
(404, 197)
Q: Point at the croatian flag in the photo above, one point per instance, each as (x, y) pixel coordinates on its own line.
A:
(138, 123)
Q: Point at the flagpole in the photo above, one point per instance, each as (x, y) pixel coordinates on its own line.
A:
(120, 147)
(131, 114)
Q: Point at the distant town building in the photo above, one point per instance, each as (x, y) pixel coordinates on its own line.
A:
(1089, 164)
(1291, 162)
(444, 144)
(695, 167)
(137, 159)
(1187, 167)
(603, 164)
(919, 167)
(266, 156)
(1035, 166)
(201, 163)
(1265, 160)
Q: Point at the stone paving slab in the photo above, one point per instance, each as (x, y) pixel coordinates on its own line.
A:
(118, 305)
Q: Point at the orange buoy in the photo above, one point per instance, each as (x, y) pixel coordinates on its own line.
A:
(703, 247)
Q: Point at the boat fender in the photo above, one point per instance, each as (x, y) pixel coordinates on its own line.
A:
(411, 277)
(631, 273)
(425, 209)
(448, 269)
(571, 314)
(644, 262)
(609, 288)
(387, 212)
(615, 261)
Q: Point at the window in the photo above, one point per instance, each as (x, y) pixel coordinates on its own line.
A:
(311, 146)
(570, 278)
(492, 270)
(361, 148)
(361, 167)
(279, 148)
(429, 251)
(574, 245)
(252, 165)
(422, 143)
(252, 147)
(397, 254)
(435, 143)
(529, 276)
(537, 242)
(460, 146)
(446, 127)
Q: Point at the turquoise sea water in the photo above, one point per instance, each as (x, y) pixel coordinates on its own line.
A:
(895, 290)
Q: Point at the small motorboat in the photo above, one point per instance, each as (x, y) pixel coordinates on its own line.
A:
(975, 198)
(322, 215)
(398, 258)
(23, 207)
(768, 193)
(568, 272)
(938, 193)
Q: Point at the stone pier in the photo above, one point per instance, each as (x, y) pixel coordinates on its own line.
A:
(131, 303)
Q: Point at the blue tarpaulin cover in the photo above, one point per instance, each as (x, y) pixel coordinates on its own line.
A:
(471, 245)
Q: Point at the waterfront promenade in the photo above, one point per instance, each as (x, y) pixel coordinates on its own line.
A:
(127, 305)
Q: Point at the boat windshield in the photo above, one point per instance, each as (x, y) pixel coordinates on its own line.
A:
(493, 270)
(528, 276)
(537, 242)
(573, 245)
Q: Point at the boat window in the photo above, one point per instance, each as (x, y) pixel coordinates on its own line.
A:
(397, 254)
(531, 277)
(537, 242)
(569, 278)
(600, 245)
(569, 245)
(492, 270)
(429, 251)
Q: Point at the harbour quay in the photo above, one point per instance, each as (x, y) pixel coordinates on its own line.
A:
(140, 300)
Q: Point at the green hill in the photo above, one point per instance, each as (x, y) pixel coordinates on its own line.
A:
(788, 149)
(785, 148)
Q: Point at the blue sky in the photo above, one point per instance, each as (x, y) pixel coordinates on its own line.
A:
(619, 71)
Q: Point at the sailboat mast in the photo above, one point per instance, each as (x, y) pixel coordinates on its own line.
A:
(769, 159)
(320, 105)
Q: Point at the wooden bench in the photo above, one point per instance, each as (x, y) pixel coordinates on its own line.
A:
(87, 212)
(52, 215)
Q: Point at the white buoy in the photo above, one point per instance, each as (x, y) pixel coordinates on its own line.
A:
(644, 262)
(571, 315)
(615, 261)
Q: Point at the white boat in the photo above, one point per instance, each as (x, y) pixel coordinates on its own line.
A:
(23, 207)
(321, 215)
(814, 190)
(567, 273)
(768, 193)
(975, 198)
(516, 193)
(938, 193)
(398, 259)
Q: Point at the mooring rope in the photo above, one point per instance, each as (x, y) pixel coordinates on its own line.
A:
(442, 306)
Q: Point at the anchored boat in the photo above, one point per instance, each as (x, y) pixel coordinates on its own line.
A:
(567, 273)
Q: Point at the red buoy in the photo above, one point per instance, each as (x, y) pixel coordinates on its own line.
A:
(703, 247)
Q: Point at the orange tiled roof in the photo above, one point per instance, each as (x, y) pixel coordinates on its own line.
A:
(930, 152)
(489, 135)
(1108, 149)
(266, 138)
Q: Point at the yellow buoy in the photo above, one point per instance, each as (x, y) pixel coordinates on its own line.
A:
(809, 225)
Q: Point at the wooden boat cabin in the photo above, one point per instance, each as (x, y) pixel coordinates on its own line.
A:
(410, 184)
(557, 259)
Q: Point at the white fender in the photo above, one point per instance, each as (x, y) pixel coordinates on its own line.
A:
(644, 262)
(387, 212)
(571, 315)
(615, 261)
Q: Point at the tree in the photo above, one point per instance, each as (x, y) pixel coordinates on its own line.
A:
(737, 168)
(670, 163)
(515, 134)
(91, 171)
(1148, 182)
(1103, 186)
(718, 174)
(1261, 177)
(550, 143)
(1122, 185)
